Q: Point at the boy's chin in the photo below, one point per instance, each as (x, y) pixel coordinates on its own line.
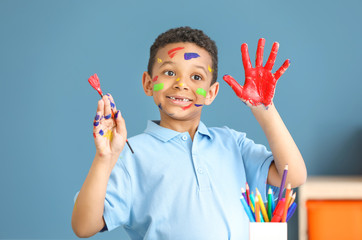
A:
(180, 115)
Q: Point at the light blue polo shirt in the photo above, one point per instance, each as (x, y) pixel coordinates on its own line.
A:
(176, 188)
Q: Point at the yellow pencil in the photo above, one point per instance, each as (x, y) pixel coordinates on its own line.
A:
(262, 207)
(292, 199)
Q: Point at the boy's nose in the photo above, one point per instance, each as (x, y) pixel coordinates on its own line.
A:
(180, 84)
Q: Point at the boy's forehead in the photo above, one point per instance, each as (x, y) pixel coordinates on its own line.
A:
(186, 49)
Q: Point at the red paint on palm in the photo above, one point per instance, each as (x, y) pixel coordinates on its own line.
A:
(94, 82)
(260, 82)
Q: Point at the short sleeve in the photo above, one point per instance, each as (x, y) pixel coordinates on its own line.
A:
(257, 160)
(117, 203)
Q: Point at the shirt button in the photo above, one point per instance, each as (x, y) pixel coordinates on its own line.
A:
(184, 137)
(200, 170)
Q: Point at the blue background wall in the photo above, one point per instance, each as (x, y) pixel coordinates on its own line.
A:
(48, 49)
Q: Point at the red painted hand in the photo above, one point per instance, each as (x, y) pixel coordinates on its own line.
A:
(259, 86)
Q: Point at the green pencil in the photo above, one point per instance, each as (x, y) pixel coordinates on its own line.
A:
(270, 203)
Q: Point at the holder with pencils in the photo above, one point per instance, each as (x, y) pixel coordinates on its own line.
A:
(275, 212)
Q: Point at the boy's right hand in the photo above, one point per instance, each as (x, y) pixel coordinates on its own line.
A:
(109, 130)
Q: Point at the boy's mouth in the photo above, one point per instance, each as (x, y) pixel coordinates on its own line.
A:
(179, 99)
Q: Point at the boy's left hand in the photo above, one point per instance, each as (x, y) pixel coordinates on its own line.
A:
(259, 86)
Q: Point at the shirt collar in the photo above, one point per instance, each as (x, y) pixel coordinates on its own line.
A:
(165, 134)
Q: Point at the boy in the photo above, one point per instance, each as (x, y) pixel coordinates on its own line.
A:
(183, 180)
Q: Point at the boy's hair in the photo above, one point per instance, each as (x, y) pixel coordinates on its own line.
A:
(185, 34)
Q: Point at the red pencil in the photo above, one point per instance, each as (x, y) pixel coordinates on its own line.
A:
(248, 193)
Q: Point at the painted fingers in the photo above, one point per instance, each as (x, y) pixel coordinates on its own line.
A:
(282, 69)
(238, 89)
(273, 55)
(259, 53)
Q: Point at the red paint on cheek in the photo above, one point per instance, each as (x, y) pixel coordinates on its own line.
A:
(171, 53)
(187, 107)
(155, 79)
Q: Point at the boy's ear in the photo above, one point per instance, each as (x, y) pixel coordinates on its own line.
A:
(147, 84)
(212, 93)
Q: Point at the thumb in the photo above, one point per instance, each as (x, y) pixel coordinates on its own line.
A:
(120, 125)
(238, 89)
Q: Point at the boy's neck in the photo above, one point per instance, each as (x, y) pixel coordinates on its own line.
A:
(189, 126)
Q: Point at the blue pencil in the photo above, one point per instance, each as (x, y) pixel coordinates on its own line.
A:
(291, 211)
(247, 209)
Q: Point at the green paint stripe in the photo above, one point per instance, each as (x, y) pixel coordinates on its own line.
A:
(157, 87)
(201, 91)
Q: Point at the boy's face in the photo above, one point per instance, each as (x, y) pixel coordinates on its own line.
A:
(180, 81)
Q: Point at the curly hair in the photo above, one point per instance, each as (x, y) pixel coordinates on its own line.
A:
(185, 34)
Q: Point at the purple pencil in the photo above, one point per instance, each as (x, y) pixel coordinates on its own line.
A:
(281, 189)
(243, 193)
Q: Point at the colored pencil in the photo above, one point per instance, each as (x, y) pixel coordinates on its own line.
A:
(284, 177)
(270, 203)
(257, 210)
(248, 192)
(252, 201)
(287, 197)
(244, 195)
(262, 206)
(247, 209)
(279, 209)
(292, 199)
(291, 211)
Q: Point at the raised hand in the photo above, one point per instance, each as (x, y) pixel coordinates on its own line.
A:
(259, 86)
(109, 130)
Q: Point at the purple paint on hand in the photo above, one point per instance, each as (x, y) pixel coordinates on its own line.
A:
(101, 132)
(108, 116)
(191, 55)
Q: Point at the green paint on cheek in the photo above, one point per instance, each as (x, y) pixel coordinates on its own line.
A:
(201, 91)
(157, 87)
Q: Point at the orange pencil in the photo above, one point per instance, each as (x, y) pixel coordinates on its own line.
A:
(287, 197)
(257, 210)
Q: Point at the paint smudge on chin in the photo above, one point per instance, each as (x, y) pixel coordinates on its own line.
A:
(201, 91)
(171, 53)
(198, 105)
(191, 55)
(210, 69)
(157, 87)
(159, 60)
(154, 79)
(187, 107)
(159, 106)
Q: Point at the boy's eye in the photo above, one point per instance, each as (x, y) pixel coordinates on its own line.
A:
(196, 77)
(170, 73)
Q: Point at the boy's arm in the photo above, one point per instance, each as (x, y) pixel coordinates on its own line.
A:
(258, 92)
(283, 147)
(110, 135)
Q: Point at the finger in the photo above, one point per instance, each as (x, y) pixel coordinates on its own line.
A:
(273, 55)
(259, 53)
(107, 107)
(96, 124)
(234, 85)
(282, 69)
(113, 104)
(120, 124)
(245, 56)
